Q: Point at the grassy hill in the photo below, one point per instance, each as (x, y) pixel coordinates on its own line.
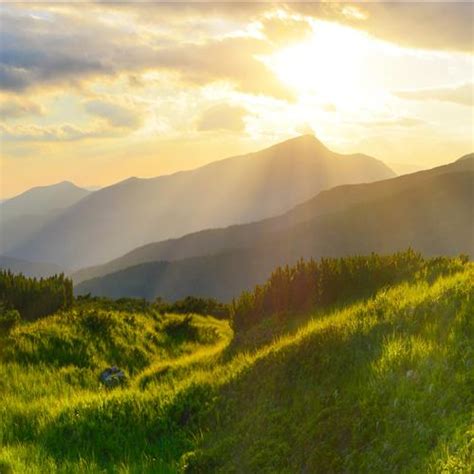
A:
(381, 384)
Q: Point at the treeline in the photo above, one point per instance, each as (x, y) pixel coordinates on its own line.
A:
(192, 304)
(34, 298)
(313, 284)
(188, 305)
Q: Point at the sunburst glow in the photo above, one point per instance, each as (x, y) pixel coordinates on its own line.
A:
(331, 64)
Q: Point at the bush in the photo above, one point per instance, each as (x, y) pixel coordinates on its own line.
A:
(97, 323)
(9, 318)
(181, 328)
(193, 305)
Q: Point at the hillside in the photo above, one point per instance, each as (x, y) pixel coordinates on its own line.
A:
(241, 189)
(24, 215)
(381, 385)
(214, 241)
(429, 211)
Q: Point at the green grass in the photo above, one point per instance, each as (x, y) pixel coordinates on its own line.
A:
(382, 385)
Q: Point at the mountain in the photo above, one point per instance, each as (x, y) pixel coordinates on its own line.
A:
(430, 211)
(42, 200)
(31, 269)
(119, 218)
(24, 215)
(213, 241)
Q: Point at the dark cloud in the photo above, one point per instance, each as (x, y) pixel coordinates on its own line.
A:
(36, 51)
(222, 117)
(462, 94)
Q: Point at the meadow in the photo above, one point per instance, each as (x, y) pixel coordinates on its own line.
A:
(379, 382)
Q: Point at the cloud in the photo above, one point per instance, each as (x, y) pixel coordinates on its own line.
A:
(15, 107)
(462, 94)
(444, 25)
(231, 59)
(62, 49)
(68, 49)
(426, 25)
(282, 30)
(222, 117)
(395, 122)
(54, 133)
(116, 115)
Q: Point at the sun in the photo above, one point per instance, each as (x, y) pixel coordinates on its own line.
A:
(329, 65)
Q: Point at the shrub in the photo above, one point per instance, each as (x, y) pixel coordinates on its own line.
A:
(97, 323)
(9, 318)
(181, 328)
(193, 305)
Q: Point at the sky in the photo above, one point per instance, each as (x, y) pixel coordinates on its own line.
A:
(97, 92)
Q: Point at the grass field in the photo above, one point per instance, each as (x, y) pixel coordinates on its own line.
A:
(381, 385)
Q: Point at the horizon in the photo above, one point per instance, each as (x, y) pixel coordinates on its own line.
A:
(95, 98)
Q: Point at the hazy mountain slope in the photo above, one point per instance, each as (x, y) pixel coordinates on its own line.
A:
(32, 269)
(433, 216)
(215, 241)
(119, 218)
(24, 215)
(42, 200)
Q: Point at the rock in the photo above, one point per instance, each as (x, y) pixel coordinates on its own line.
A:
(113, 377)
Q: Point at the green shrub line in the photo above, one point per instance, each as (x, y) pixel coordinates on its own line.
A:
(312, 284)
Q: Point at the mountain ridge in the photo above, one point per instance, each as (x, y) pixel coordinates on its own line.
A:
(234, 190)
(195, 244)
(422, 215)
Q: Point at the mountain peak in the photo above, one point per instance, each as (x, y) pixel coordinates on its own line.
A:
(64, 184)
(300, 143)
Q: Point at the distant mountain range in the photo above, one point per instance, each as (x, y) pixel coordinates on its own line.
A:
(42, 200)
(430, 211)
(24, 215)
(114, 220)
